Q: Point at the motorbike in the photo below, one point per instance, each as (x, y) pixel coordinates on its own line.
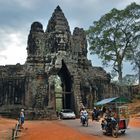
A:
(84, 120)
(118, 111)
(110, 127)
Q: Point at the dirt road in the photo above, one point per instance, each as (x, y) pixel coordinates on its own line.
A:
(64, 130)
(53, 130)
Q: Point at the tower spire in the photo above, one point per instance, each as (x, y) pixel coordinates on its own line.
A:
(58, 21)
(58, 8)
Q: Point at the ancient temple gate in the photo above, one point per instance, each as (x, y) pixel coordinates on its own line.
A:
(61, 86)
(56, 74)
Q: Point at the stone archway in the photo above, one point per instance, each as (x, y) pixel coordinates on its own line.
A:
(60, 88)
(66, 86)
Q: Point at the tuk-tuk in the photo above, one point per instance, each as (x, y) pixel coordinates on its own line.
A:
(119, 110)
(123, 117)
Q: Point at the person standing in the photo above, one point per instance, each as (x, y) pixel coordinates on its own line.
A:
(21, 118)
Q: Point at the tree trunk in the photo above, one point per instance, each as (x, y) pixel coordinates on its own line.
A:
(120, 73)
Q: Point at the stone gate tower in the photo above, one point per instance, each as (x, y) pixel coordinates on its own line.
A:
(56, 74)
(57, 52)
(51, 53)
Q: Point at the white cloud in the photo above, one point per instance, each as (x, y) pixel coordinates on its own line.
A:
(17, 16)
(14, 49)
(27, 3)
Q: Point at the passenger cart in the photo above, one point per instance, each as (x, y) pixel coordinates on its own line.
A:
(123, 118)
(118, 111)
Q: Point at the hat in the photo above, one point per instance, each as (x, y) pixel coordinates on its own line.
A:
(22, 109)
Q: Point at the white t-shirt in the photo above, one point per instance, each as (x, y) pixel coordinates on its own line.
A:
(21, 114)
(84, 113)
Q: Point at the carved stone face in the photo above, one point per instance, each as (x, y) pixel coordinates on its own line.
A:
(58, 41)
(61, 38)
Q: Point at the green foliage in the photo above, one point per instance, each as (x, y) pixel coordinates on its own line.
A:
(115, 35)
(58, 91)
(134, 58)
(58, 87)
(58, 104)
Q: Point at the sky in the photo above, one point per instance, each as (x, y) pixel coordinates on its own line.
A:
(16, 17)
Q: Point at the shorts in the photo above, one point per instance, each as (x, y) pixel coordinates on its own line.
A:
(22, 120)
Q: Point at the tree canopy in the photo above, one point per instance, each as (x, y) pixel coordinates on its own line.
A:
(115, 35)
(134, 58)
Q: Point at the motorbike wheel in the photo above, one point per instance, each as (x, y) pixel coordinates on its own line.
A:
(123, 132)
(115, 132)
(86, 123)
(83, 122)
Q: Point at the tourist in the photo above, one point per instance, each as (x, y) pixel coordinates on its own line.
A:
(21, 118)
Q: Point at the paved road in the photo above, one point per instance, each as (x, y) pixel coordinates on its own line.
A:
(95, 129)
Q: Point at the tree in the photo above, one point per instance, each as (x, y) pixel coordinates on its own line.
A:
(129, 79)
(114, 35)
(134, 58)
